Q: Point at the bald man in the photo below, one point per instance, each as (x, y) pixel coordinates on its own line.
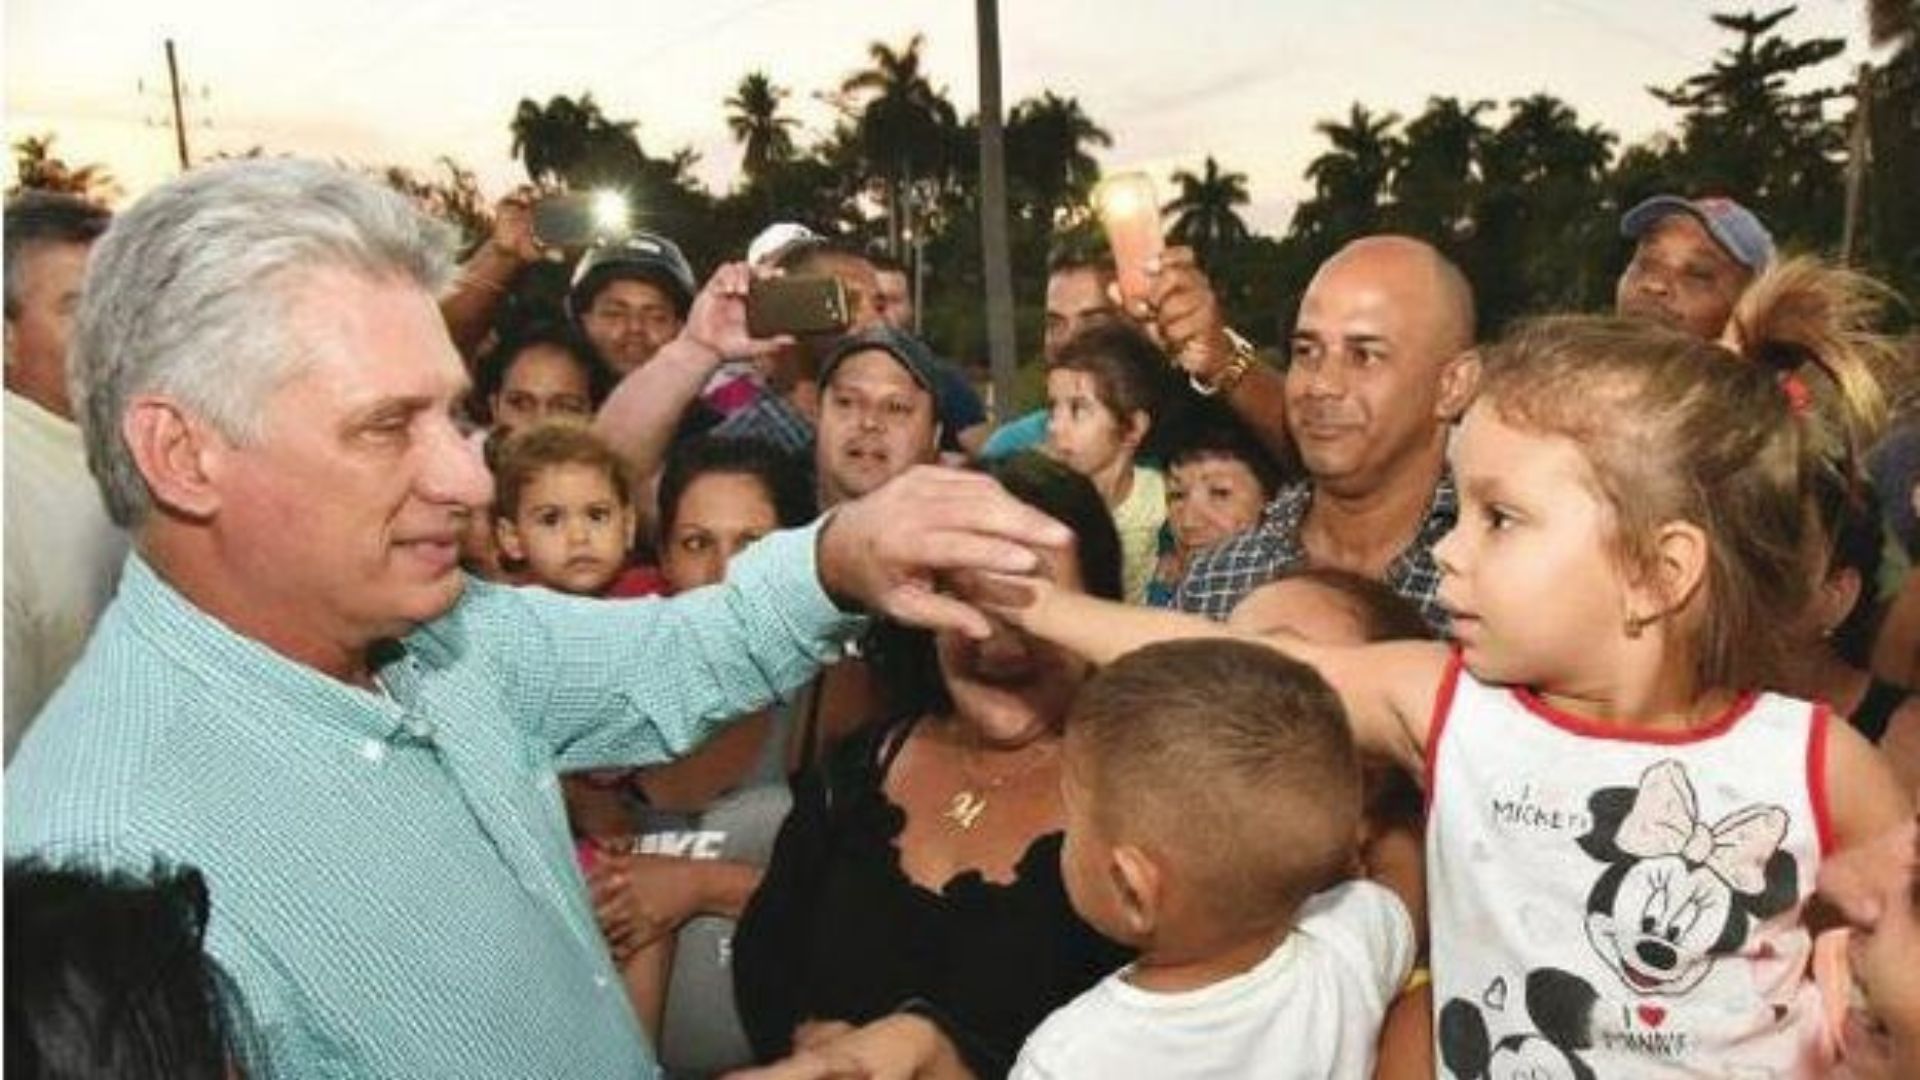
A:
(1381, 365)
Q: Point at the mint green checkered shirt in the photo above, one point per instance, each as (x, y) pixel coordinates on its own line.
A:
(393, 884)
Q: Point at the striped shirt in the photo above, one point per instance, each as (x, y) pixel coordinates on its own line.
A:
(392, 880)
(1223, 575)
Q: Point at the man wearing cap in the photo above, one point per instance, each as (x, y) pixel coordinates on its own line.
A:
(631, 297)
(1692, 258)
(878, 416)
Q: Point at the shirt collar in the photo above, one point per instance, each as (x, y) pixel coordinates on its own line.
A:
(241, 667)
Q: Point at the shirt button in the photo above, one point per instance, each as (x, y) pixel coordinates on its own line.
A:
(602, 981)
(373, 750)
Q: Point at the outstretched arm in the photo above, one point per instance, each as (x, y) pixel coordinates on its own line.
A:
(1388, 689)
(640, 416)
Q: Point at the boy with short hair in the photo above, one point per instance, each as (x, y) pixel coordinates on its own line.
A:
(1213, 800)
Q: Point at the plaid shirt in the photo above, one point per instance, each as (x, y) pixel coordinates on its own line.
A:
(1219, 578)
(770, 419)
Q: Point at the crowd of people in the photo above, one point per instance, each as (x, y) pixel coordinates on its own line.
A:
(406, 680)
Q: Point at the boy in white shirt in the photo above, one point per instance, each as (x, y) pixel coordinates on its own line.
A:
(1212, 797)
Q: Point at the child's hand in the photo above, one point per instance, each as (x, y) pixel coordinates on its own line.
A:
(639, 899)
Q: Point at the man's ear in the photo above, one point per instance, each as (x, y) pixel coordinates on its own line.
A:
(507, 535)
(1459, 382)
(177, 454)
(1138, 883)
(1679, 573)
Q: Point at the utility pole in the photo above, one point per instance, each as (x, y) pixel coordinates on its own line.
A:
(995, 253)
(1859, 160)
(179, 114)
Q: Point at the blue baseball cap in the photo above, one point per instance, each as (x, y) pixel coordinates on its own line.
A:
(1733, 226)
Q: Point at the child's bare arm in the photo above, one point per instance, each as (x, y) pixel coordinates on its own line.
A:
(1388, 689)
(1863, 798)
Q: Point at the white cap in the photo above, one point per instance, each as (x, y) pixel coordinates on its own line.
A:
(776, 240)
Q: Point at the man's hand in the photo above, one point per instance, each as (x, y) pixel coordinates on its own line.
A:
(898, 1047)
(718, 319)
(1184, 316)
(513, 236)
(884, 551)
(1876, 887)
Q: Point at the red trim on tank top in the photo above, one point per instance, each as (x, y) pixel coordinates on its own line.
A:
(1595, 729)
(1437, 723)
(1817, 777)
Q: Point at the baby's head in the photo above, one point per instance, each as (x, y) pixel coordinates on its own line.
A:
(1211, 786)
(563, 509)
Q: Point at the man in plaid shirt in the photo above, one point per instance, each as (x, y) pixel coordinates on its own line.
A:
(1381, 365)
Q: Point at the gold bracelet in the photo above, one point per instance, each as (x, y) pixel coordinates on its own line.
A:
(1229, 376)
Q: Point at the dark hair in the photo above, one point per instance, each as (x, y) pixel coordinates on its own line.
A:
(493, 367)
(903, 658)
(1383, 615)
(1071, 257)
(1130, 374)
(1227, 760)
(1208, 429)
(779, 475)
(46, 217)
(107, 976)
(525, 454)
(884, 262)
(1850, 525)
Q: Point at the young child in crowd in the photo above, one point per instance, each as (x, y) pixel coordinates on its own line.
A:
(1218, 479)
(1212, 797)
(1623, 830)
(563, 511)
(1104, 391)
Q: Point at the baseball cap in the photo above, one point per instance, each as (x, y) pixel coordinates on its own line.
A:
(903, 347)
(776, 240)
(1733, 226)
(645, 256)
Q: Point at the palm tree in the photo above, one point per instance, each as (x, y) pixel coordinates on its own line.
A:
(36, 168)
(756, 124)
(569, 143)
(1433, 184)
(1205, 219)
(902, 124)
(1047, 141)
(1350, 179)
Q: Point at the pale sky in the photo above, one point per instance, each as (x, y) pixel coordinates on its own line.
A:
(404, 81)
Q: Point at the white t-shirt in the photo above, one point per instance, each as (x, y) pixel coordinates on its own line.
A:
(63, 557)
(1313, 1008)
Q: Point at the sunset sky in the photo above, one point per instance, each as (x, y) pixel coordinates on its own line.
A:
(404, 81)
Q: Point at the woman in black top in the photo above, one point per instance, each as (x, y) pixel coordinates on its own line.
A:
(912, 920)
(1838, 627)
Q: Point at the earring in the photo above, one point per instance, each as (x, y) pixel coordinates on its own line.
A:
(1636, 625)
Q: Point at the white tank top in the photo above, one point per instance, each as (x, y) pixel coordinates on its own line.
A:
(1609, 903)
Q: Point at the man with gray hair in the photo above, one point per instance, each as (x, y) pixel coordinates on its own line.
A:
(295, 689)
(62, 554)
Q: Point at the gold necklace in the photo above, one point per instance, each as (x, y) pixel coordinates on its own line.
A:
(970, 801)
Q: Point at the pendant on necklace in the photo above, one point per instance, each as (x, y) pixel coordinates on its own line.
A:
(965, 808)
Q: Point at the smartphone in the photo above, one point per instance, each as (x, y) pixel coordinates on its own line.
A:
(1130, 213)
(800, 304)
(578, 218)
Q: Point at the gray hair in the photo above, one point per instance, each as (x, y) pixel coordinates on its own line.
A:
(187, 296)
(34, 218)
